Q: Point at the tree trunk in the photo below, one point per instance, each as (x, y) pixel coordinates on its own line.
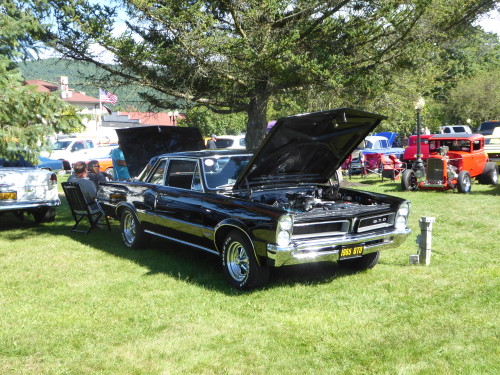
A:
(257, 121)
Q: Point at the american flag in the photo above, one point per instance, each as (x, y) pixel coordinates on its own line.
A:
(107, 97)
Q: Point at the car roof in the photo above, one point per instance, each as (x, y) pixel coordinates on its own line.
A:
(206, 153)
(423, 136)
(457, 136)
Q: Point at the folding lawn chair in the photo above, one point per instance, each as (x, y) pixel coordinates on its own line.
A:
(373, 163)
(80, 209)
(392, 167)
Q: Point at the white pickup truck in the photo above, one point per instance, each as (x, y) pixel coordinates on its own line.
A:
(71, 150)
(28, 190)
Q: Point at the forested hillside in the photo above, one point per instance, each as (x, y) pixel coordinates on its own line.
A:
(51, 69)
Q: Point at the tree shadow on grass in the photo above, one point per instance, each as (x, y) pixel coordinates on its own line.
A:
(162, 256)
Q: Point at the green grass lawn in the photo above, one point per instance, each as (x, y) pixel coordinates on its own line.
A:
(79, 304)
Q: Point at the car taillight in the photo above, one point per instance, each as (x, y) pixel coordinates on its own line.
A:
(53, 179)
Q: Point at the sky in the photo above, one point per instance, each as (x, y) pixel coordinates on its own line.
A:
(491, 22)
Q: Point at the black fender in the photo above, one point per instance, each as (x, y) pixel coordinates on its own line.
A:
(121, 206)
(224, 227)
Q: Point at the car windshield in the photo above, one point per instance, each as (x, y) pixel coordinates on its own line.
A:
(60, 145)
(223, 171)
(224, 143)
(488, 125)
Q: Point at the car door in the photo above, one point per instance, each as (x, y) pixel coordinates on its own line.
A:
(179, 202)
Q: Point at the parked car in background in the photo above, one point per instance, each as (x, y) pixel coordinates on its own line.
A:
(454, 160)
(50, 164)
(487, 127)
(377, 144)
(25, 189)
(233, 142)
(67, 148)
(280, 206)
(410, 153)
(106, 165)
(451, 129)
(492, 146)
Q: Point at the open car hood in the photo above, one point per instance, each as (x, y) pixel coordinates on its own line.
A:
(140, 144)
(307, 148)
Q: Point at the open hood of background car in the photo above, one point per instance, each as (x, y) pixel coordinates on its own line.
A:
(140, 144)
(391, 137)
(307, 148)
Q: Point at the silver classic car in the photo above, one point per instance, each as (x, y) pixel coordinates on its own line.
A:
(279, 206)
(25, 189)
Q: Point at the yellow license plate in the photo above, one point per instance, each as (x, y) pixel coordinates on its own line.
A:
(351, 251)
(9, 195)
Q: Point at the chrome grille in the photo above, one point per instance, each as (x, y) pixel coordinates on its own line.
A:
(435, 170)
(318, 229)
(375, 222)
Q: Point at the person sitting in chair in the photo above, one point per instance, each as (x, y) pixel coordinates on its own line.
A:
(87, 187)
(95, 175)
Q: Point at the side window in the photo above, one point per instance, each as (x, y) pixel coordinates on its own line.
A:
(157, 177)
(181, 173)
(78, 146)
(89, 144)
(196, 184)
(477, 145)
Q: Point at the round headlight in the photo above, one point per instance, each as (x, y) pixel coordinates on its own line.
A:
(283, 238)
(404, 210)
(401, 222)
(286, 222)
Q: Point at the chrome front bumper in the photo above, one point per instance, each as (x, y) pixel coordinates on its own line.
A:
(327, 249)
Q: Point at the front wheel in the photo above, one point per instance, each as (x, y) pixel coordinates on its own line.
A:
(464, 182)
(409, 180)
(132, 231)
(363, 263)
(240, 264)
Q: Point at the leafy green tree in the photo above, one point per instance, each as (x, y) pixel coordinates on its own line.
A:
(27, 117)
(235, 56)
(476, 98)
(212, 123)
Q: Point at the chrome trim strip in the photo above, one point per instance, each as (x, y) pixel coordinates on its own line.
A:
(13, 205)
(182, 242)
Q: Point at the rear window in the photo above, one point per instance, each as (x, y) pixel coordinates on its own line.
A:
(490, 125)
(224, 143)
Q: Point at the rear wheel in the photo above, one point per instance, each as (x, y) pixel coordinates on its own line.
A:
(45, 215)
(489, 175)
(241, 267)
(409, 180)
(363, 263)
(132, 231)
(464, 182)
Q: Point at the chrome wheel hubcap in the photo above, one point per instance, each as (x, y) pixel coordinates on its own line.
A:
(129, 228)
(467, 183)
(237, 261)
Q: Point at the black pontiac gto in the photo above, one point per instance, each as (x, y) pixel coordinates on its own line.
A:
(278, 206)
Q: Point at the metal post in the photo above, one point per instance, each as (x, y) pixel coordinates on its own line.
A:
(419, 164)
(425, 242)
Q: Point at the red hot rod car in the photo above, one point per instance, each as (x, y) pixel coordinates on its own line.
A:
(454, 160)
